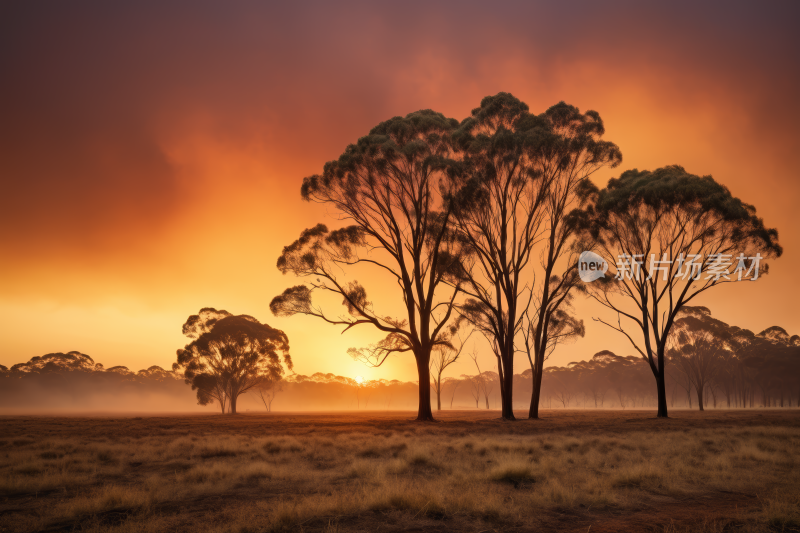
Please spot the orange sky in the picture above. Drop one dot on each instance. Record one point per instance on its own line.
(151, 156)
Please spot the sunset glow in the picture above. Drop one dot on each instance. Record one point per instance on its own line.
(168, 179)
(399, 266)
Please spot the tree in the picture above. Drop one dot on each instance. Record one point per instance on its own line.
(267, 390)
(519, 179)
(443, 356)
(482, 382)
(699, 346)
(474, 387)
(593, 375)
(665, 230)
(563, 383)
(573, 150)
(559, 328)
(230, 355)
(771, 362)
(499, 200)
(454, 384)
(387, 186)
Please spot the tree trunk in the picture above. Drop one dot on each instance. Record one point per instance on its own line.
(233, 404)
(700, 397)
(661, 383)
(507, 389)
(424, 414)
(536, 392)
(661, 386)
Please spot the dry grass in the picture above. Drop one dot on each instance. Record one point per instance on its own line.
(362, 480)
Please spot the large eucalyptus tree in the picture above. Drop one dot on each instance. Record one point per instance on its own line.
(387, 187)
(672, 236)
(518, 177)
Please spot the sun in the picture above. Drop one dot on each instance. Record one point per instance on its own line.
(359, 380)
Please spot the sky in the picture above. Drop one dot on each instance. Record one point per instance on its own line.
(151, 153)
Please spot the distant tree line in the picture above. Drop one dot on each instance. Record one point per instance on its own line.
(73, 381)
(711, 365)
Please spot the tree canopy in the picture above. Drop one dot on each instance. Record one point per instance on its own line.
(230, 355)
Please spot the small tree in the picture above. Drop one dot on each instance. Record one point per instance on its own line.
(230, 355)
(483, 380)
(210, 386)
(699, 346)
(673, 236)
(443, 356)
(474, 387)
(560, 327)
(267, 390)
(454, 384)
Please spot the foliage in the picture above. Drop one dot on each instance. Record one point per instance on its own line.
(231, 355)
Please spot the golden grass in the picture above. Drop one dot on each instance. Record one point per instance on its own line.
(331, 482)
(782, 510)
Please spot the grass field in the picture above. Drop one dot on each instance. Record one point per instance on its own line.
(380, 471)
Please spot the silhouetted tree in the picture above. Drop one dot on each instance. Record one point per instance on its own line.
(474, 387)
(231, 356)
(387, 185)
(443, 356)
(483, 380)
(454, 384)
(699, 346)
(563, 384)
(593, 376)
(571, 150)
(267, 390)
(770, 362)
(518, 179)
(499, 199)
(692, 225)
(562, 327)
